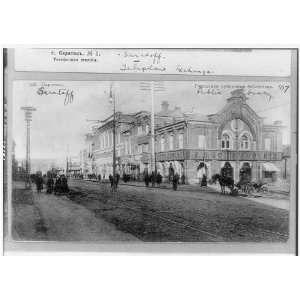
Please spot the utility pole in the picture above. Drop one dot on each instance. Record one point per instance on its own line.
(28, 118)
(153, 167)
(153, 87)
(113, 101)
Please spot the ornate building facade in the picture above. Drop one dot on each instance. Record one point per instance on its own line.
(235, 134)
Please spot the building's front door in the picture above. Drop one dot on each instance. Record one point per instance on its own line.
(245, 173)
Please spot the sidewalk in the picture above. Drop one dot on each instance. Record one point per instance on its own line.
(55, 218)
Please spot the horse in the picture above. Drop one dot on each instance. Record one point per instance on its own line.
(224, 182)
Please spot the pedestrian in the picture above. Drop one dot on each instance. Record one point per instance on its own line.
(146, 179)
(39, 183)
(57, 186)
(182, 179)
(117, 179)
(99, 177)
(175, 181)
(171, 172)
(152, 178)
(158, 179)
(50, 184)
(201, 171)
(111, 180)
(204, 180)
(64, 184)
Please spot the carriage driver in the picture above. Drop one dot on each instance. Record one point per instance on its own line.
(226, 171)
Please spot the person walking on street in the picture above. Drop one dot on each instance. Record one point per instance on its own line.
(64, 183)
(182, 179)
(158, 179)
(204, 181)
(201, 171)
(111, 180)
(39, 183)
(152, 177)
(146, 179)
(171, 172)
(50, 184)
(175, 181)
(117, 179)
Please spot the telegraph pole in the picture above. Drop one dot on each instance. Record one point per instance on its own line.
(152, 130)
(28, 118)
(153, 87)
(113, 101)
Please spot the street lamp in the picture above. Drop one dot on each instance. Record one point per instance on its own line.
(28, 118)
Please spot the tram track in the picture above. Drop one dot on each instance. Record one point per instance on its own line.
(168, 217)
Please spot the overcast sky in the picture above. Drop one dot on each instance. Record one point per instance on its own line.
(56, 125)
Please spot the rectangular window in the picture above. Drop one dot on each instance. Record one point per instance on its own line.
(162, 144)
(100, 142)
(201, 141)
(268, 174)
(180, 141)
(268, 144)
(147, 129)
(140, 148)
(171, 142)
(140, 130)
(129, 146)
(146, 148)
(106, 139)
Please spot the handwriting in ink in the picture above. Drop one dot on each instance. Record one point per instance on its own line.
(68, 94)
(207, 91)
(136, 67)
(155, 56)
(189, 69)
(263, 93)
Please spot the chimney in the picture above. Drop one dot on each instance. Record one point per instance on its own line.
(164, 106)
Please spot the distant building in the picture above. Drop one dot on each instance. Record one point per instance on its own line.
(86, 155)
(235, 134)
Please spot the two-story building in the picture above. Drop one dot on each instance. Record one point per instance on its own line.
(235, 134)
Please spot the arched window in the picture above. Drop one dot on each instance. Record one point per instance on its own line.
(225, 141)
(244, 142)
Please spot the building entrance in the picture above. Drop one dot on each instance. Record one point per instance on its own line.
(245, 173)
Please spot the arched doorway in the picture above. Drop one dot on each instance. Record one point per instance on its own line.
(227, 170)
(245, 172)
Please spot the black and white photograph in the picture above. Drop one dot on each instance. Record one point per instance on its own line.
(147, 149)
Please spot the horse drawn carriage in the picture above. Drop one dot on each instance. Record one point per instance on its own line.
(244, 186)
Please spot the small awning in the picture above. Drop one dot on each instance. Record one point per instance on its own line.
(269, 167)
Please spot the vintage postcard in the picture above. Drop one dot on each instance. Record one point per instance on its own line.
(188, 150)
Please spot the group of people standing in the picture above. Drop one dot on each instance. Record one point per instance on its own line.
(156, 178)
(57, 184)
